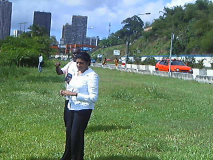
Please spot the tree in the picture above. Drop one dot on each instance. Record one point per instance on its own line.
(18, 51)
(104, 42)
(207, 41)
(133, 27)
(36, 30)
(24, 50)
(191, 24)
(53, 40)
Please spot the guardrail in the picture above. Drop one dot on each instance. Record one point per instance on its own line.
(199, 75)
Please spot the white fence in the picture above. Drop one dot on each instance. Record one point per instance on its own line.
(207, 59)
(199, 75)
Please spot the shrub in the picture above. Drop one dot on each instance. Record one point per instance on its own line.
(137, 61)
(199, 64)
(191, 63)
(24, 51)
(149, 61)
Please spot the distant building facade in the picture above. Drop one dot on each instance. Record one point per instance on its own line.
(5, 18)
(67, 34)
(92, 41)
(17, 33)
(42, 19)
(148, 29)
(76, 32)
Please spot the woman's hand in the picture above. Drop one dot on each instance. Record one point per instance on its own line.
(62, 92)
(67, 93)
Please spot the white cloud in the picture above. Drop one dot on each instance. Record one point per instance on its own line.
(100, 12)
(179, 3)
(71, 2)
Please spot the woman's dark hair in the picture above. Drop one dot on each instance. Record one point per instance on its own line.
(84, 56)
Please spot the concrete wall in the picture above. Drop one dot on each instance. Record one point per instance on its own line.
(199, 75)
(208, 59)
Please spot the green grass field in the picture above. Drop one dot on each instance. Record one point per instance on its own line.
(137, 117)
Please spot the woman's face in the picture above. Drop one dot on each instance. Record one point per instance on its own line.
(82, 65)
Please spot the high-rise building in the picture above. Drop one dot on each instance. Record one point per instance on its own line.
(5, 18)
(42, 19)
(75, 33)
(67, 34)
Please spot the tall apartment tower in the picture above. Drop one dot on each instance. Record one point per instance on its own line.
(5, 18)
(75, 33)
(66, 34)
(42, 19)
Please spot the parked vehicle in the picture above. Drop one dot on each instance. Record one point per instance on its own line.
(109, 59)
(93, 60)
(176, 66)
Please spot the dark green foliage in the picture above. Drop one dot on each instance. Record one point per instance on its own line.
(35, 30)
(25, 50)
(149, 61)
(192, 63)
(191, 25)
(199, 64)
(189, 61)
(132, 29)
(137, 61)
(206, 42)
(18, 51)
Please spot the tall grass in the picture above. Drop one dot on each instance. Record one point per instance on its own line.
(137, 117)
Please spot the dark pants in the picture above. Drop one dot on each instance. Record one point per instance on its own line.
(76, 123)
(65, 111)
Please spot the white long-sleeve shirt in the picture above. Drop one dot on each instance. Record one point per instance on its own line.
(40, 59)
(69, 68)
(86, 85)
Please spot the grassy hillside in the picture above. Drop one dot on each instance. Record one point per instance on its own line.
(138, 48)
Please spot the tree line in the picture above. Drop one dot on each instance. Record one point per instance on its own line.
(192, 26)
(24, 50)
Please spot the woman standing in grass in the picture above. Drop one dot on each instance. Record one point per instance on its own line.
(83, 93)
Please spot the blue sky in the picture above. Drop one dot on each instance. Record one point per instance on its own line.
(100, 13)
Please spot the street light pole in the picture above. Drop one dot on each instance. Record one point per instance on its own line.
(128, 41)
(144, 14)
(170, 55)
(24, 25)
(171, 47)
(127, 52)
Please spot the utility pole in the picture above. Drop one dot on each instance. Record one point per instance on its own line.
(20, 26)
(24, 25)
(128, 43)
(127, 52)
(170, 55)
(109, 28)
